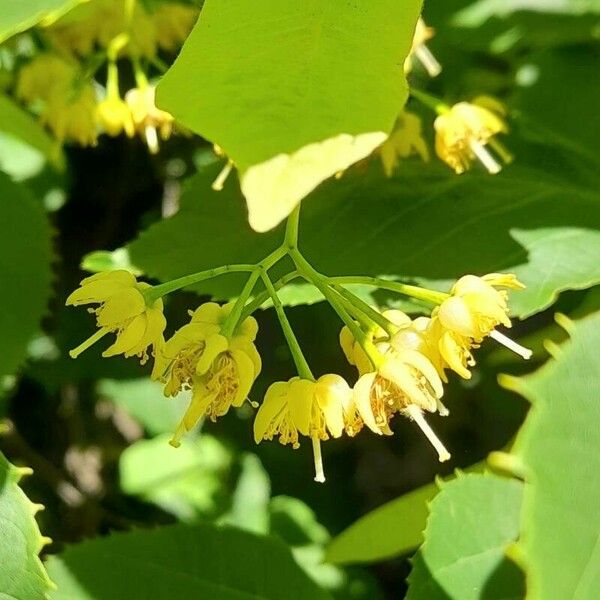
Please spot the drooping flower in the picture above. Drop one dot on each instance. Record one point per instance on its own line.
(71, 117)
(405, 382)
(475, 308)
(316, 409)
(219, 370)
(149, 121)
(123, 310)
(467, 130)
(406, 139)
(114, 117)
(173, 23)
(445, 349)
(421, 52)
(354, 352)
(43, 76)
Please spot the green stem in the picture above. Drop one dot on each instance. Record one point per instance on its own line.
(368, 311)
(393, 286)
(321, 283)
(429, 101)
(264, 296)
(291, 229)
(365, 323)
(158, 291)
(234, 316)
(297, 354)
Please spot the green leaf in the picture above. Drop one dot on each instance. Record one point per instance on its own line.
(250, 501)
(185, 481)
(392, 529)
(540, 222)
(199, 561)
(559, 446)
(25, 255)
(22, 575)
(20, 125)
(144, 400)
(471, 523)
(19, 16)
(293, 92)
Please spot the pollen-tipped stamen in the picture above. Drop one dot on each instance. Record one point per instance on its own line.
(415, 414)
(222, 176)
(89, 342)
(511, 345)
(319, 472)
(428, 60)
(485, 157)
(151, 139)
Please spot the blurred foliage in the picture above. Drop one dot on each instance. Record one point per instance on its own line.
(95, 430)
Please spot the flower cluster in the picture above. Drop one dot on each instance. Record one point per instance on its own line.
(464, 132)
(402, 363)
(58, 84)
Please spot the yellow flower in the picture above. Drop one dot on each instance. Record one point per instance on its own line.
(149, 120)
(98, 23)
(114, 116)
(315, 409)
(220, 371)
(405, 382)
(173, 23)
(445, 349)
(72, 118)
(475, 308)
(124, 311)
(353, 351)
(405, 139)
(466, 129)
(46, 75)
(421, 52)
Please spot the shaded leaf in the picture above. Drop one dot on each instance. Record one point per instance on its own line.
(25, 255)
(538, 221)
(19, 124)
(199, 561)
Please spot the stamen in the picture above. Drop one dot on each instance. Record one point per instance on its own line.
(500, 150)
(428, 60)
(89, 342)
(151, 139)
(511, 345)
(415, 413)
(319, 473)
(222, 176)
(484, 155)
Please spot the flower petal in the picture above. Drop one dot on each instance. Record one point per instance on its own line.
(209, 312)
(121, 307)
(215, 345)
(128, 338)
(275, 401)
(331, 394)
(300, 401)
(362, 401)
(245, 373)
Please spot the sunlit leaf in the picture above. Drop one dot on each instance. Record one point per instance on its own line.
(559, 446)
(471, 523)
(293, 92)
(22, 575)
